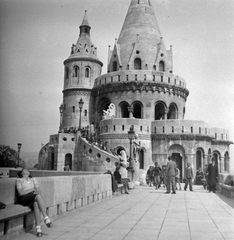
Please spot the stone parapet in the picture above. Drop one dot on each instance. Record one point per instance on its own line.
(61, 194)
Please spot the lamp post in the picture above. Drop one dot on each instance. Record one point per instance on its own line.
(81, 103)
(131, 136)
(61, 114)
(19, 147)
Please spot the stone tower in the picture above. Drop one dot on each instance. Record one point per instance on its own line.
(81, 69)
(142, 93)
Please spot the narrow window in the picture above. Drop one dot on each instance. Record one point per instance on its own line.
(85, 112)
(153, 77)
(222, 136)
(199, 130)
(119, 77)
(168, 80)
(161, 66)
(215, 135)
(141, 128)
(67, 73)
(114, 127)
(127, 77)
(137, 64)
(163, 129)
(191, 129)
(111, 79)
(105, 80)
(175, 81)
(114, 66)
(75, 73)
(182, 130)
(122, 127)
(155, 130)
(161, 78)
(73, 109)
(87, 70)
(145, 77)
(136, 77)
(172, 129)
(154, 67)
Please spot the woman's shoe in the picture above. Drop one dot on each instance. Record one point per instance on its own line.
(39, 233)
(47, 222)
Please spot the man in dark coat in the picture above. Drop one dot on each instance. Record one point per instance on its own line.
(171, 173)
(212, 173)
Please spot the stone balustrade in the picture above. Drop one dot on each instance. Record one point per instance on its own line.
(61, 194)
(142, 75)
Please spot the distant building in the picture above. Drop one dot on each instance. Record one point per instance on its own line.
(143, 92)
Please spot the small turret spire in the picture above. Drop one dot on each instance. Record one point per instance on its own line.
(85, 20)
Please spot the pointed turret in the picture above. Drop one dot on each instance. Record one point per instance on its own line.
(140, 37)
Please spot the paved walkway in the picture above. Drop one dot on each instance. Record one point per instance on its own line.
(145, 214)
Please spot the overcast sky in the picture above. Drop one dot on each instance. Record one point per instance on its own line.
(36, 37)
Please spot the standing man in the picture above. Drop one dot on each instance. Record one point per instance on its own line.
(212, 173)
(171, 173)
(189, 177)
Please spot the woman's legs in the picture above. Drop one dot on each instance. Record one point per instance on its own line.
(37, 214)
(41, 205)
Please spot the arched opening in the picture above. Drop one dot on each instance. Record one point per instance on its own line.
(226, 162)
(114, 66)
(178, 160)
(198, 159)
(137, 64)
(159, 112)
(87, 72)
(216, 156)
(141, 159)
(172, 113)
(124, 110)
(75, 71)
(177, 153)
(161, 66)
(68, 160)
(137, 110)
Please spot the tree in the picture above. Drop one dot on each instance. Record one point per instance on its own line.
(9, 157)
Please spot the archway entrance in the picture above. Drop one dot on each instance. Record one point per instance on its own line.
(68, 160)
(178, 160)
(141, 159)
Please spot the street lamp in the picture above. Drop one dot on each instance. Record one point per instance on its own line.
(19, 147)
(131, 136)
(81, 103)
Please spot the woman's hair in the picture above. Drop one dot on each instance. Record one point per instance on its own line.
(20, 175)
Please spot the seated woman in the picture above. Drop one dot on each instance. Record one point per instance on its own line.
(29, 195)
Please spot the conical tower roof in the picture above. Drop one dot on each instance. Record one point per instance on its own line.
(140, 27)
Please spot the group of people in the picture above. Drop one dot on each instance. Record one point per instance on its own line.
(169, 175)
(156, 176)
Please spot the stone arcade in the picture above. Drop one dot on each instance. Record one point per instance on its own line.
(145, 93)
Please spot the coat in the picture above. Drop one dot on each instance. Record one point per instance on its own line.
(189, 172)
(212, 172)
(171, 168)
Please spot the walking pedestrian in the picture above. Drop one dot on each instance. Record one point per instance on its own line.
(156, 174)
(188, 177)
(213, 173)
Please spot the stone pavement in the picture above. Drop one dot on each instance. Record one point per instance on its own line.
(145, 214)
